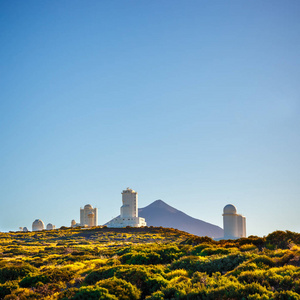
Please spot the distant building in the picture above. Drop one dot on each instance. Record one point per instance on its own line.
(234, 224)
(129, 211)
(24, 229)
(88, 217)
(50, 226)
(38, 225)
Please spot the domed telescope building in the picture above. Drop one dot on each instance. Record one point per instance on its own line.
(38, 225)
(234, 224)
(50, 226)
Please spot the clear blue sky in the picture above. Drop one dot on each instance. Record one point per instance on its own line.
(196, 103)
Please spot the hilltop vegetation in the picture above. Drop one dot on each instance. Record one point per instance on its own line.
(147, 263)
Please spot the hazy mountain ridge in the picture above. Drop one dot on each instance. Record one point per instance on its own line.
(160, 213)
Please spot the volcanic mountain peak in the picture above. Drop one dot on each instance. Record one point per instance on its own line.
(159, 204)
(159, 213)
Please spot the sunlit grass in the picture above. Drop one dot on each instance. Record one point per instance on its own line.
(147, 263)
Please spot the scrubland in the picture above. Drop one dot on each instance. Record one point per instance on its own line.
(147, 263)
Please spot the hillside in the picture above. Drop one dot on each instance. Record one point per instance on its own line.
(160, 213)
(146, 263)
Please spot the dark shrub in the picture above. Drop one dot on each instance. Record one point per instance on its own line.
(145, 278)
(149, 258)
(264, 261)
(7, 288)
(31, 281)
(120, 288)
(286, 295)
(93, 293)
(15, 272)
(210, 265)
(53, 275)
(215, 250)
(282, 239)
(198, 249)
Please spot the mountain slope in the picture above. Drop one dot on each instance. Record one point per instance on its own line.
(160, 213)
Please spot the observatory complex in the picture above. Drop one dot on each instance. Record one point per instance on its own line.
(234, 224)
(129, 212)
(88, 217)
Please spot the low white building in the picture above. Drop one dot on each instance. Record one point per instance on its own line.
(234, 224)
(129, 212)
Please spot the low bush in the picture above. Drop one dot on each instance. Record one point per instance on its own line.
(13, 272)
(93, 293)
(211, 264)
(120, 288)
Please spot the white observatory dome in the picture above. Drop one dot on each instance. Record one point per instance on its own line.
(38, 225)
(230, 209)
(50, 226)
(88, 206)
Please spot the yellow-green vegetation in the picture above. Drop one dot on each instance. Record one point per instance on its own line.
(147, 263)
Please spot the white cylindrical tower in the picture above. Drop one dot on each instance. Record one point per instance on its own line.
(91, 216)
(244, 227)
(129, 209)
(230, 222)
(240, 224)
(234, 224)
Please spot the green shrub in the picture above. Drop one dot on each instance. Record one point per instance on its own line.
(176, 273)
(120, 288)
(32, 281)
(22, 294)
(211, 264)
(93, 293)
(264, 261)
(14, 272)
(198, 249)
(283, 239)
(286, 295)
(248, 247)
(245, 266)
(196, 240)
(52, 275)
(214, 250)
(147, 279)
(141, 258)
(7, 288)
(248, 277)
